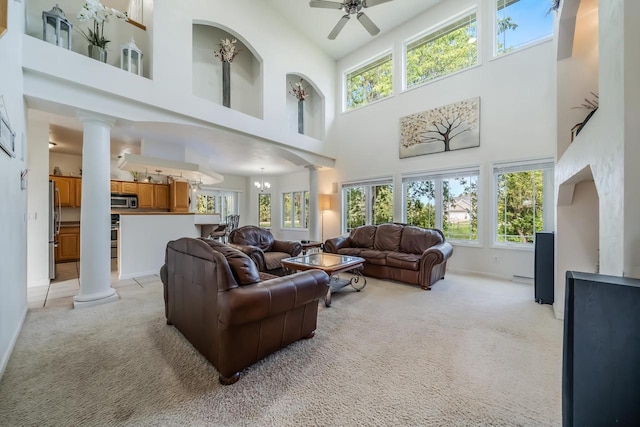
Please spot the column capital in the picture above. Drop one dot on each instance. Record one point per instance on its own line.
(312, 167)
(91, 117)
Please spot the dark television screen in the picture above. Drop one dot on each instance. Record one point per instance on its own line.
(601, 355)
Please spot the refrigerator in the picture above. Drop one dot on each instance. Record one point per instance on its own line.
(54, 227)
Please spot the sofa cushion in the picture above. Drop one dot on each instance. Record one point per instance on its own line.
(374, 257)
(350, 251)
(242, 267)
(388, 237)
(416, 240)
(362, 237)
(403, 260)
(272, 259)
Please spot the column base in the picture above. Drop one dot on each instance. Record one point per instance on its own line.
(81, 301)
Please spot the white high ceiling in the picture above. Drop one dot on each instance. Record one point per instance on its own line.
(317, 23)
(235, 154)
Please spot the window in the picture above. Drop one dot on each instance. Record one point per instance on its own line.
(264, 210)
(367, 203)
(369, 83)
(523, 203)
(520, 22)
(217, 201)
(446, 201)
(295, 209)
(447, 50)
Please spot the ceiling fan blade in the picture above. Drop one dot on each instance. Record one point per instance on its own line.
(325, 4)
(368, 24)
(371, 3)
(339, 26)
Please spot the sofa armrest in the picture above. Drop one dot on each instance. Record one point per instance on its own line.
(332, 245)
(253, 252)
(290, 247)
(251, 303)
(436, 254)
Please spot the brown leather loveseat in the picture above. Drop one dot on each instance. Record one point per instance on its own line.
(231, 313)
(263, 248)
(400, 252)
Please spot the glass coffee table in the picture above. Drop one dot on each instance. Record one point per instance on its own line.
(332, 264)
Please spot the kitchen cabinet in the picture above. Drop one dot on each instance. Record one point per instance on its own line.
(179, 196)
(128, 187)
(68, 244)
(66, 190)
(161, 196)
(78, 192)
(145, 196)
(115, 187)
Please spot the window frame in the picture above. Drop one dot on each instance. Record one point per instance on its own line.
(438, 177)
(270, 210)
(548, 167)
(367, 184)
(360, 66)
(433, 30)
(303, 211)
(530, 43)
(219, 196)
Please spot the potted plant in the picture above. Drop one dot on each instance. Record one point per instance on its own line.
(93, 10)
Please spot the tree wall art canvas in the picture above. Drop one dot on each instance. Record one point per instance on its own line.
(446, 128)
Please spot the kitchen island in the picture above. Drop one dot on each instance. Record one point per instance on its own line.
(143, 238)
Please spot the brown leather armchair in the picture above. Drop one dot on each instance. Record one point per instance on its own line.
(263, 248)
(217, 299)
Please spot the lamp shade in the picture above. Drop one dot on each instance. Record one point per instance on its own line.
(324, 202)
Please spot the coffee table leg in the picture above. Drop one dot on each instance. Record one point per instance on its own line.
(356, 279)
(327, 298)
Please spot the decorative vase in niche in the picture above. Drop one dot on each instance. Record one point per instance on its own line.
(301, 117)
(226, 84)
(97, 52)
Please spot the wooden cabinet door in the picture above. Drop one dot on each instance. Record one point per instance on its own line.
(145, 196)
(115, 187)
(66, 190)
(161, 196)
(179, 193)
(78, 192)
(127, 187)
(68, 244)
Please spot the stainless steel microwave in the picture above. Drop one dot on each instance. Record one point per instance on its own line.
(124, 201)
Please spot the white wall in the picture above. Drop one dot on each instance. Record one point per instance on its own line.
(517, 122)
(13, 209)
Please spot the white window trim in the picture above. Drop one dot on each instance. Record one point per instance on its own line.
(529, 44)
(434, 28)
(361, 65)
(282, 227)
(367, 183)
(548, 203)
(439, 175)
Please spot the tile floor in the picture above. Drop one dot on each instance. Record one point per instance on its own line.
(67, 284)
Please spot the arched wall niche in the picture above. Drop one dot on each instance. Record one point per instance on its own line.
(314, 107)
(247, 85)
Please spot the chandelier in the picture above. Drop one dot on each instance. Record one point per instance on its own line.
(261, 185)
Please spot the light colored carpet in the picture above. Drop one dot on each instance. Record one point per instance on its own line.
(472, 351)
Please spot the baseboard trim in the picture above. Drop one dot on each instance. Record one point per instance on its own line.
(480, 273)
(35, 284)
(139, 274)
(5, 357)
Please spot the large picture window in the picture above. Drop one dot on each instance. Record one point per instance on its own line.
(446, 201)
(521, 22)
(523, 201)
(451, 48)
(295, 209)
(367, 203)
(217, 201)
(369, 83)
(264, 210)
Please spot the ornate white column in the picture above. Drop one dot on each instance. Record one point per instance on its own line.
(314, 233)
(95, 213)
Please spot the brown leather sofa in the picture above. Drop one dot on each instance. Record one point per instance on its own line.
(231, 313)
(399, 252)
(261, 246)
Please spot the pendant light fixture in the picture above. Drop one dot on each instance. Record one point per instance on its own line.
(262, 185)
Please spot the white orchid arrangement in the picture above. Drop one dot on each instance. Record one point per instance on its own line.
(299, 90)
(93, 10)
(227, 50)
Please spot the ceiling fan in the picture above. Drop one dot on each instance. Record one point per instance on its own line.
(350, 7)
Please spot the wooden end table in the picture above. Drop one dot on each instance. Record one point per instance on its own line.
(310, 247)
(332, 264)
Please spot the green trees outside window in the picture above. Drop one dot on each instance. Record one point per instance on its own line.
(295, 209)
(444, 51)
(264, 210)
(367, 204)
(369, 83)
(217, 201)
(520, 197)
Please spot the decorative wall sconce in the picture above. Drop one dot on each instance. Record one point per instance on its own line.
(131, 58)
(54, 26)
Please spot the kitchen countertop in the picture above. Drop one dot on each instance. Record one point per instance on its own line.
(134, 212)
